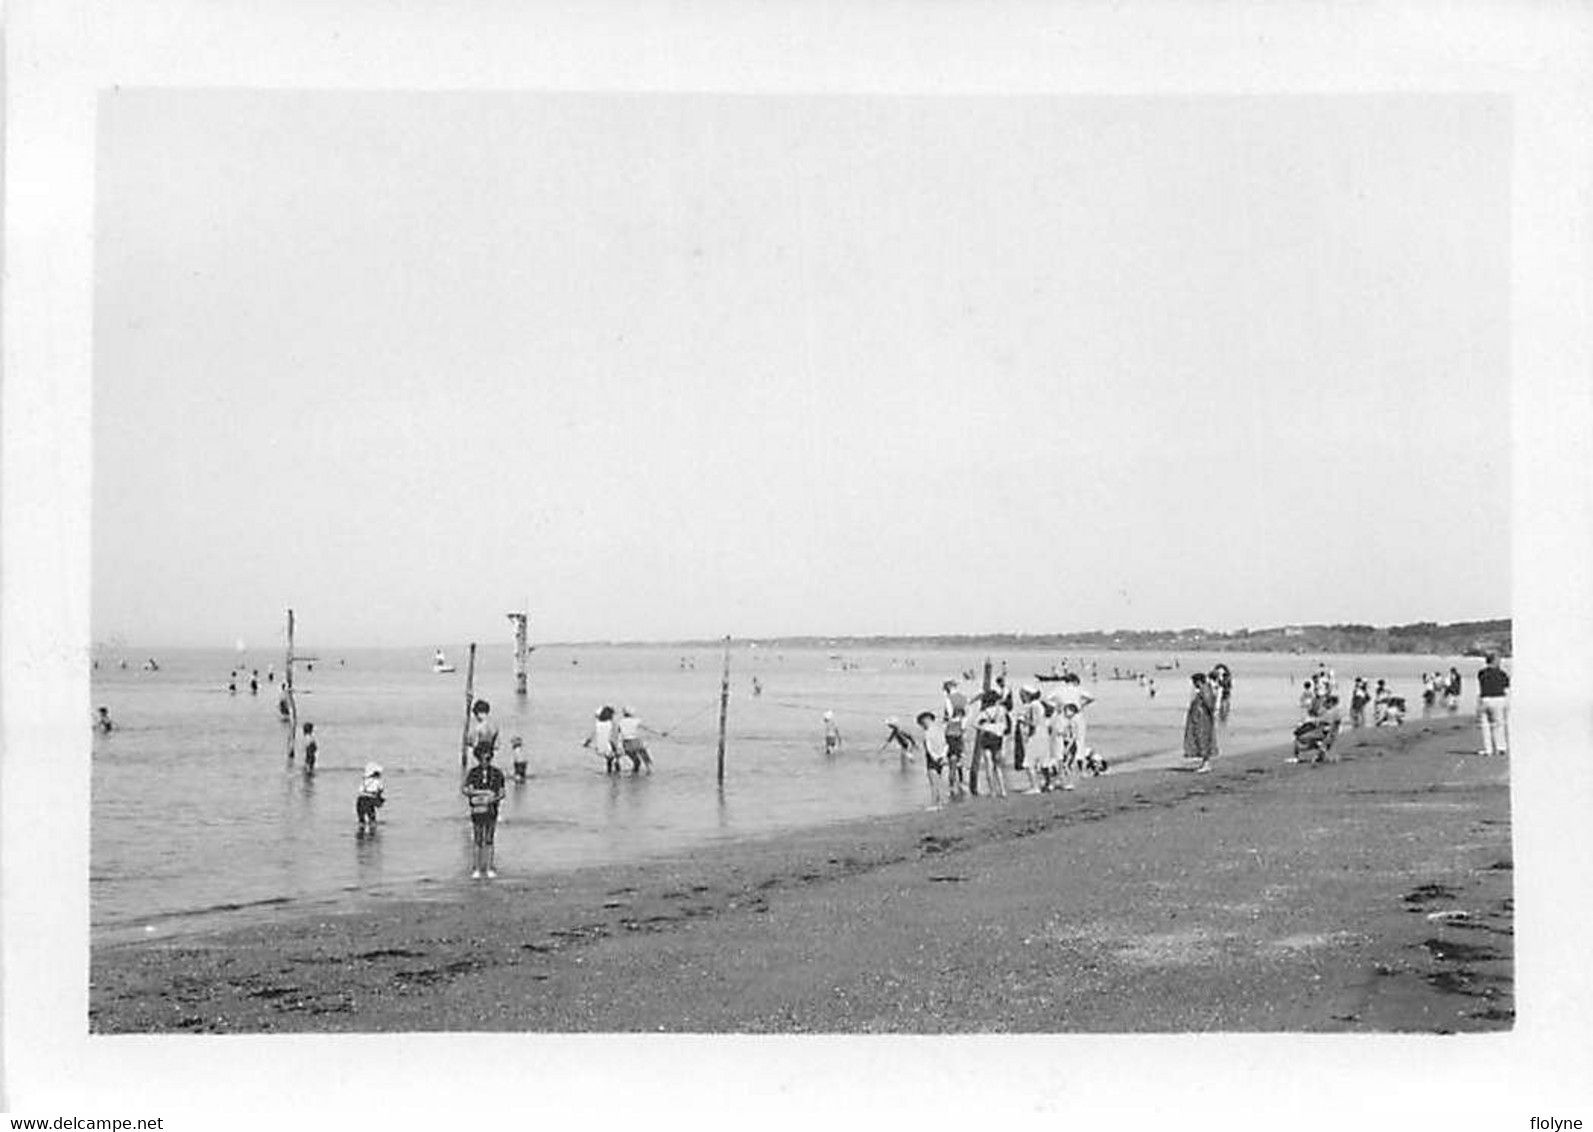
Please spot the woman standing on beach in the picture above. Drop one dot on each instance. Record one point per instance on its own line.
(1200, 723)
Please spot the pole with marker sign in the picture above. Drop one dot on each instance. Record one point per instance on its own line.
(519, 621)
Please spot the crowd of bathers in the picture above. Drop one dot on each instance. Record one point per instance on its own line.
(1319, 701)
(1440, 689)
(1321, 718)
(970, 744)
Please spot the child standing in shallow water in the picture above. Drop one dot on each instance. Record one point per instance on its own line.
(934, 755)
(832, 734)
(370, 797)
(483, 788)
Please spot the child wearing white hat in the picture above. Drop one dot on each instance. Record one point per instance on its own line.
(832, 734)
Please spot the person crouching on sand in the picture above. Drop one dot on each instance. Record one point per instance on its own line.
(934, 747)
(371, 796)
(484, 789)
(517, 758)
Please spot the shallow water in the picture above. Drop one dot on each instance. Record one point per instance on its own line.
(199, 819)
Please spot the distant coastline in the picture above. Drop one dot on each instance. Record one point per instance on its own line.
(1458, 638)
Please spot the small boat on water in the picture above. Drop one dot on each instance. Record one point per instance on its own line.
(1049, 677)
(440, 663)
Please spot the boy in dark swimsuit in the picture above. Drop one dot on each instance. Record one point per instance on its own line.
(484, 788)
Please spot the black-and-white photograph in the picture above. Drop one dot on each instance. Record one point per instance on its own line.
(967, 557)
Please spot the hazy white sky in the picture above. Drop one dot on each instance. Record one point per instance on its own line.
(687, 365)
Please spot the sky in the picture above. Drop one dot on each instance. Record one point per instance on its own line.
(664, 366)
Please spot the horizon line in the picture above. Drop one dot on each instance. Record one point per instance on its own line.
(834, 638)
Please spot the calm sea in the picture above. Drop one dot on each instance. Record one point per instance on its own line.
(198, 819)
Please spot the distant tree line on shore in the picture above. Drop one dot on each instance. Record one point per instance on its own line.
(1459, 638)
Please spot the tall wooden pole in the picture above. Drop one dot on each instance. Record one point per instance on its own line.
(287, 683)
(518, 620)
(724, 705)
(470, 699)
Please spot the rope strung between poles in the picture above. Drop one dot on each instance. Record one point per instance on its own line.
(707, 707)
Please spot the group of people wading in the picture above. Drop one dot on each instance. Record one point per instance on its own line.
(484, 785)
(1042, 736)
(967, 741)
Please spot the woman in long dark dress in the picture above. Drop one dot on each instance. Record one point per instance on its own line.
(1200, 723)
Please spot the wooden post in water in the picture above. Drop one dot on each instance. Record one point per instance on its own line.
(724, 704)
(470, 699)
(519, 620)
(287, 686)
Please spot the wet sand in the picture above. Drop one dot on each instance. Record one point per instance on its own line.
(1369, 895)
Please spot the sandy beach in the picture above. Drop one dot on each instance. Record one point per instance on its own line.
(1371, 894)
